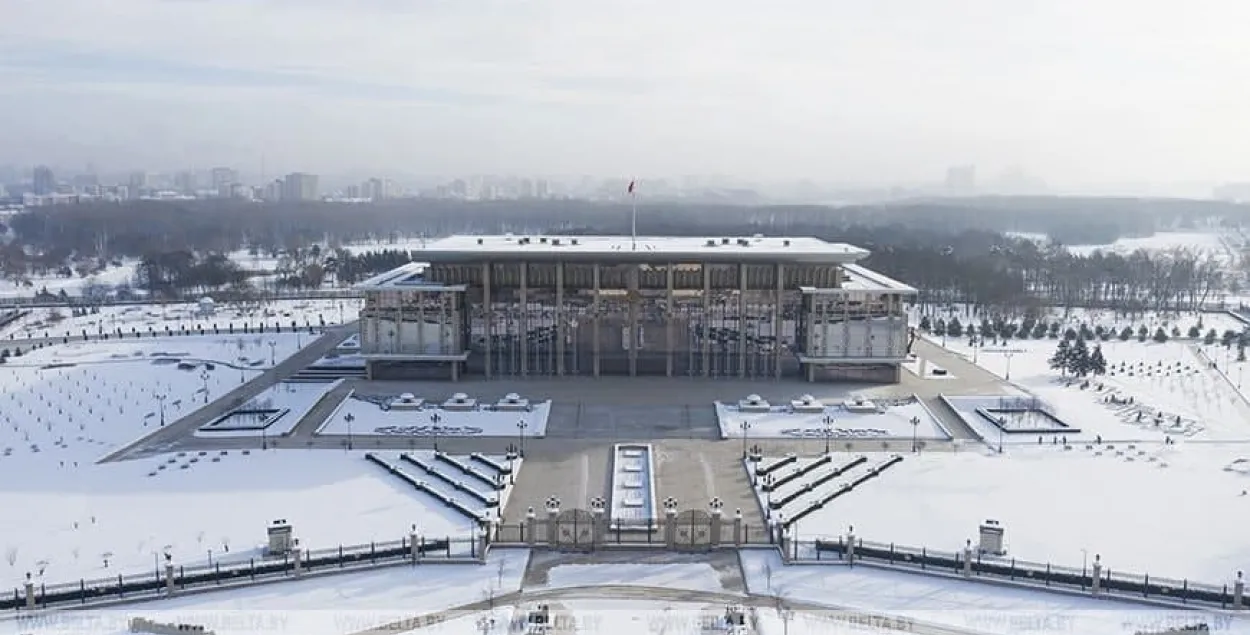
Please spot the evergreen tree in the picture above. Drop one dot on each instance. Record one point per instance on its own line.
(1209, 338)
(1126, 334)
(1228, 338)
(926, 325)
(1176, 331)
(1161, 335)
(1142, 333)
(1078, 359)
(1062, 357)
(1195, 332)
(1069, 334)
(955, 328)
(1039, 330)
(1097, 363)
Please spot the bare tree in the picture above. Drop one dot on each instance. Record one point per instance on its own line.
(503, 564)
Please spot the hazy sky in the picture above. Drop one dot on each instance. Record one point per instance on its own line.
(1078, 91)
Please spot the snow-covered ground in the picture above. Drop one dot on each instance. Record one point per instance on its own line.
(113, 276)
(1206, 243)
(290, 402)
(974, 606)
(893, 422)
(76, 402)
(65, 407)
(60, 322)
(73, 515)
(361, 415)
(1093, 318)
(342, 604)
(1185, 520)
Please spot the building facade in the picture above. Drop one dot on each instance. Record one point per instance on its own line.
(516, 306)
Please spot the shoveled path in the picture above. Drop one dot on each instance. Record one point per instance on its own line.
(171, 435)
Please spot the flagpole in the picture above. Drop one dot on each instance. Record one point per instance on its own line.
(633, 221)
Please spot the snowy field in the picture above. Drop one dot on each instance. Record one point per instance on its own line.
(1161, 381)
(79, 515)
(342, 604)
(892, 422)
(60, 322)
(361, 415)
(1063, 506)
(113, 276)
(290, 402)
(974, 606)
(76, 402)
(1210, 243)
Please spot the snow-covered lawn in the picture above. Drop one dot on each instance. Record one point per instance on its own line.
(1180, 515)
(288, 402)
(59, 322)
(112, 276)
(694, 577)
(974, 606)
(892, 421)
(361, 415)
(1162, 381)
(72, 515)
(75, 402)
(342, 604)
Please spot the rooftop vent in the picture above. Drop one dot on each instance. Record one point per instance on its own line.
(711, 242)
(724, 241)
(543, 240)
(479, 241)
(744, 242)
(555, 241)
(573, 241)
(785, 243)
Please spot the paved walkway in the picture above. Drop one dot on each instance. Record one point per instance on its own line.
(180, 433)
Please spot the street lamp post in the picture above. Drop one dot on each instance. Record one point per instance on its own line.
(273, 355)
(160, 399)
(204, 378)
(915, 425)
(1008, 355)
(435, 418)
(349, 418)
(520, 427)
(746, 428)
(828, 431)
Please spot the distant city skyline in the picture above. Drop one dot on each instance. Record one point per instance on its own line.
(1085, 95)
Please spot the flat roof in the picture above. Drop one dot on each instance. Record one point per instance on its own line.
(641, 249)
(860, 278)
(410, 276)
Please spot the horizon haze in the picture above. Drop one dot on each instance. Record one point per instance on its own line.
(1084, 95)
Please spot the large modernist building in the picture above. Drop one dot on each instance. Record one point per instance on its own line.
(516, 306)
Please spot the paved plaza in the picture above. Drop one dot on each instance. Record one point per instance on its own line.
(676, 415)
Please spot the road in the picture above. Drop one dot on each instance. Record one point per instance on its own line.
(176, 433)
(521, 600)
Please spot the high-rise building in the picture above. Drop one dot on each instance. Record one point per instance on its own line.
(961, 180)
(542, 189)
(44, 182)
(223, 180)
(299, 186)
(185, 182)
(138, 183)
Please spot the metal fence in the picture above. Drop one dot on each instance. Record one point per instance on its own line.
(1093, 578)
(53, 301)
(578, 530)
(36, 595)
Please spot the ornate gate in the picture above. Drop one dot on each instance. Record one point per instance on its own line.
(575, 529)
(694, 530)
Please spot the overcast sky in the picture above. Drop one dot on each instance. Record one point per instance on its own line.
(1077, 91)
